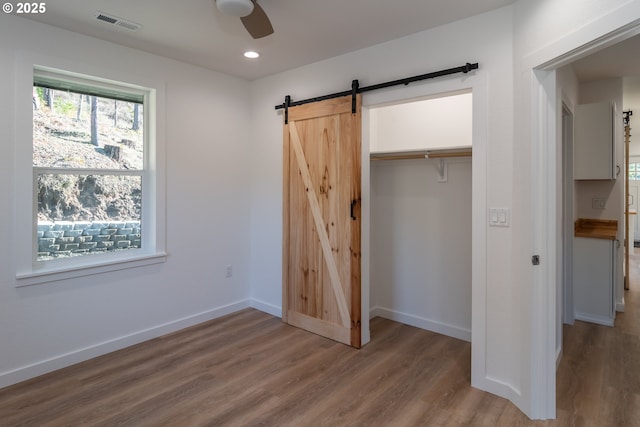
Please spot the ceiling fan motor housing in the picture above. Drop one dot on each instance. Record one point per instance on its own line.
(235, 7)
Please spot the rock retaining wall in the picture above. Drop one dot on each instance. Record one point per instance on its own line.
(67, 238)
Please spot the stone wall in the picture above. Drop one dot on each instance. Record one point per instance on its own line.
(68, 238)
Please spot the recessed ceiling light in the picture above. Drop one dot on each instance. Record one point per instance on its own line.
(251, 54)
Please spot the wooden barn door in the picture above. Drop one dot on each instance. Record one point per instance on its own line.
(321, 219)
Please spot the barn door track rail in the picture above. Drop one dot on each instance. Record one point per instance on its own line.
(356, 89)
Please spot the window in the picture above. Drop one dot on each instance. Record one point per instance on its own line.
(88, 163)
(634, 171)
(94, 182)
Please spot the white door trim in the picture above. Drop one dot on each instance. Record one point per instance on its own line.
(544, 211)
(566, 174)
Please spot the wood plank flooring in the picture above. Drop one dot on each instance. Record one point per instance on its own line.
(250, 369)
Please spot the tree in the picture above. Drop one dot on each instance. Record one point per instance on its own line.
(136, 117)
(115, 113)
(35, 99)
(79, 114)
(48, 98)
(94, 121)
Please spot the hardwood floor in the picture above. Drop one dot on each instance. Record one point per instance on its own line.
(598, 382)
(618, 376)
(249, 369)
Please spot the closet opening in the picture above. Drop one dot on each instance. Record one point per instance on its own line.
(420, 243)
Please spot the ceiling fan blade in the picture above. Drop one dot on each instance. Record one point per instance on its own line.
(257, 23)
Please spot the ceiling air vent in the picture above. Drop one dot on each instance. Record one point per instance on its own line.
(120, 22)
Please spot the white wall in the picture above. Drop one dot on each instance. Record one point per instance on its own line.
(486, 39)
(421, 244)
(442, 122)
(43, 327)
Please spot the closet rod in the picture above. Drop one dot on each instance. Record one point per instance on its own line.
(426, 154)
(355, 87)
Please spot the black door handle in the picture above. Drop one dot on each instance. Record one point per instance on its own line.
(353, 205)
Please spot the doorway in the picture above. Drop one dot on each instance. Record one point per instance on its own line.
(547, 115)
(421, 205)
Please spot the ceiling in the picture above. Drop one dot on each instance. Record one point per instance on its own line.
(619, 60)
(306, 31)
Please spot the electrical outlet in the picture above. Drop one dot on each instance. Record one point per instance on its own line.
(228, 271)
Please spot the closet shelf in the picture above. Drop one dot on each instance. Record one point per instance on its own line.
(433, 153)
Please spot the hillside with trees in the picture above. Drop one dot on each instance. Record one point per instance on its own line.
(78, 131)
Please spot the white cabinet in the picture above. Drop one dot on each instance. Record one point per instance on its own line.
(593, 279)
(594, 154)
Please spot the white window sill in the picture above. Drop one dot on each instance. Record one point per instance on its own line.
(62, 271)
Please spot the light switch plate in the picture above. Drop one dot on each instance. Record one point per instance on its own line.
(598, 203)
(499, 217)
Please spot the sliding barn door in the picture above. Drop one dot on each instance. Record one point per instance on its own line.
(321, 224)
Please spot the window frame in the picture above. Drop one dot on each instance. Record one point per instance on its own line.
(30, 271)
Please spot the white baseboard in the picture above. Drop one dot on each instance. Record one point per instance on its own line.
(497, 387)
(266, 307)
(620, 306)
(601, 320)
(558, 357)
(422, 323)
(77, 356)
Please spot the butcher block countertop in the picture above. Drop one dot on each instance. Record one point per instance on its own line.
(596, 228)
